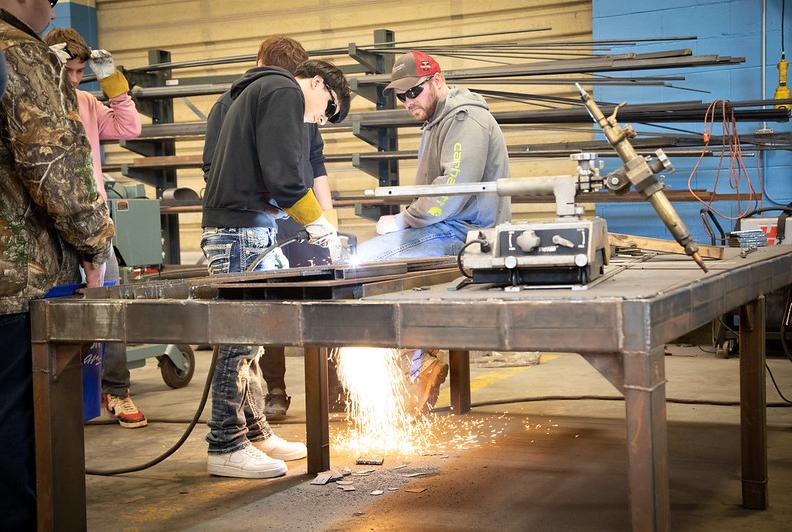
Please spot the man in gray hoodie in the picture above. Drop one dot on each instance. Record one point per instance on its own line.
(461, 143)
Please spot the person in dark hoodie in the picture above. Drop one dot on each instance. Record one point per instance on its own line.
(255, 173)
(283, 52)
(461, 143)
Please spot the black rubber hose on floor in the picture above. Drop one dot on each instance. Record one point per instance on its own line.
(175, 447)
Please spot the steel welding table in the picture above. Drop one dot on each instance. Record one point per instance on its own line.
(619, 325)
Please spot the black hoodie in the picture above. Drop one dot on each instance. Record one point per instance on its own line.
(259, 152)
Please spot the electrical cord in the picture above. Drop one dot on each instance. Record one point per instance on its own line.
(210, 374)
(300, 236)
(178, 444)
(776, 385)
(730, 145)
(485, 248)
(604, 398)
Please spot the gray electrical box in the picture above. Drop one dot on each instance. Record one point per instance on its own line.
(138, 238)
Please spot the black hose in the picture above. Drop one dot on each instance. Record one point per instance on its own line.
(175, 446)
(484, 243)
(603, 398)
(300, 236)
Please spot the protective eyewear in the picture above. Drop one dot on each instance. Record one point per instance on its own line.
(52, 4)
(332, 107)
(412, 92)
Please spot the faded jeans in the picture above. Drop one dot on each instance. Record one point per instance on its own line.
(237, 394)
(436, 240)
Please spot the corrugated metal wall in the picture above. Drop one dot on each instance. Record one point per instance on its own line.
(199, 29)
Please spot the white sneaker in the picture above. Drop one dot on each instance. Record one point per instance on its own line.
(277, 447)
(248, 462)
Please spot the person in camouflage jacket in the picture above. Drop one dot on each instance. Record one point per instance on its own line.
(51, 214)
(51, 219)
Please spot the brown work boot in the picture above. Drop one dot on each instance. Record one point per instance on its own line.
(426, 386)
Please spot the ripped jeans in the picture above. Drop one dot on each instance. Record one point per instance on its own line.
(237, 394)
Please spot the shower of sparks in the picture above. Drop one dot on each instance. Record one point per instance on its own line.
(381, 420)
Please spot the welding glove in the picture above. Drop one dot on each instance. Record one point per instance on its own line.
(324, 234)
(111, 81)
(101, 64)
(60, 50)
(390, 223)
(308, 212)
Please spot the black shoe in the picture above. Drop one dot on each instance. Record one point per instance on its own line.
(276, 404)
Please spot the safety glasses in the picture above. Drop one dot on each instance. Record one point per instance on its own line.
(332, 107)
(412, 92)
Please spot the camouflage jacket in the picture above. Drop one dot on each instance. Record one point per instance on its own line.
(51, 215)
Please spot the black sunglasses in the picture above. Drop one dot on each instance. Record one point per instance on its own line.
(332, 107)
(412, 92)
(52, 4)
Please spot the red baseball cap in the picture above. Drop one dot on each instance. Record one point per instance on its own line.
(410, 68)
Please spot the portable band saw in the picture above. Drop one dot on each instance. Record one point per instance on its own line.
(568, 250)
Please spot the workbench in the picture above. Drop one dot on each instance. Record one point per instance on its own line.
(620, 325)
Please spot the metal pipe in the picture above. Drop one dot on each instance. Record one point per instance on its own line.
(764, 54)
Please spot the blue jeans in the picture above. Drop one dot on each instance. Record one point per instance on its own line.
(115, 373)
(17, 452)
(436, 240)
(237, 394)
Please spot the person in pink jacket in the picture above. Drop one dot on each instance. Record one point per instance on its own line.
(119, 121)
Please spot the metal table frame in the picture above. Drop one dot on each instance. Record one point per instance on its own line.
(621, 336)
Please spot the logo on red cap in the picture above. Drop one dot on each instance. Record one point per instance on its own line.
(426, 65)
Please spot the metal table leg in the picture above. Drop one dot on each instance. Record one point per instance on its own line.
(60, 453)
(644, 393)
(316, 409)
(753, 405)
(459, 362)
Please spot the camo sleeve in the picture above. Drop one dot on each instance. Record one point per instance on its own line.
(51, 151)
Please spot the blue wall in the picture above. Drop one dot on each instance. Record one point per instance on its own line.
(723, 27)
(79, 16)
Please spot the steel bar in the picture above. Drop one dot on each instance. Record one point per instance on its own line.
(645, 141)
(522, 151)
(324, 52)
(575, 115)
(753, 405)
(316, 410)
(60, 457)
(576, 66)
(459, 362)
(631, 62)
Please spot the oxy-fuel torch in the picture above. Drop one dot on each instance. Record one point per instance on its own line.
(638, 172)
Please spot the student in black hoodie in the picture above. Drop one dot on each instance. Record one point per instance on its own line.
(256, 173)
(283, 52)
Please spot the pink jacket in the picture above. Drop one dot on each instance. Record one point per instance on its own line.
(119, 122)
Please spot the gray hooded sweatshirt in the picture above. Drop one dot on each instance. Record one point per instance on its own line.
(461, 143)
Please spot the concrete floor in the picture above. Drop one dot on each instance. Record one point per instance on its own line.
(569, 474)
